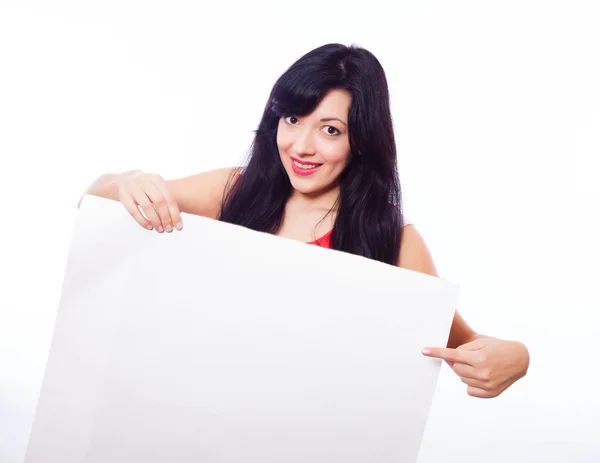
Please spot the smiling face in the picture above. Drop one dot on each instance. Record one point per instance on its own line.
(315, 148)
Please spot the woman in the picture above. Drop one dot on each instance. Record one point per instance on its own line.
(323, 170)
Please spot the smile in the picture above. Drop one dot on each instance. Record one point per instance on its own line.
(304, 168)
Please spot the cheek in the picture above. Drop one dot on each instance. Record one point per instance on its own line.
(284, 141)
(336, 154)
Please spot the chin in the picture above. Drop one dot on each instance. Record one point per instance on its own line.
(309, 187)
(305, 186)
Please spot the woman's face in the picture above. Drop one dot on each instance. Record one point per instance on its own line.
(315, 149)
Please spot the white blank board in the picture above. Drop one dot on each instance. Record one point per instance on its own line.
(222, 344)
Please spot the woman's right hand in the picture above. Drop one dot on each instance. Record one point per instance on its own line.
(150, 192)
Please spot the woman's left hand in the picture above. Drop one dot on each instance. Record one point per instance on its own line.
(488, 366)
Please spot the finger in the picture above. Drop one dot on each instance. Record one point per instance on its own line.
(172, 205)
(474, 383)
(466, 371)
(160, 205)
(451, 355)
(144, 202)
(132, 208)
(481, 393)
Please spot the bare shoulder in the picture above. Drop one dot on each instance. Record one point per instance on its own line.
(203, 193)
(414, 253)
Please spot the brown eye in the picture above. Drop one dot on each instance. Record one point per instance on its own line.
(291, 119)
(332, 130)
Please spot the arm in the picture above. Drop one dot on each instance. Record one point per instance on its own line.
(203, 193)
(414, 255)
(198, 194)
(487, 365)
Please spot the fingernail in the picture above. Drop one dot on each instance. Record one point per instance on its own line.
(169, 229)
(426, 351)
(160, 229)
(179, 225)
(149, 227)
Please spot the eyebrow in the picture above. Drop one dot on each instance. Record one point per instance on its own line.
(327, 119)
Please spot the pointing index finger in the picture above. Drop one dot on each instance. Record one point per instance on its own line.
(452, 355)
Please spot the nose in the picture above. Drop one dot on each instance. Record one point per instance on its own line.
(304, 144)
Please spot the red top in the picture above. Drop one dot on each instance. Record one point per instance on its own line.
(324, 241)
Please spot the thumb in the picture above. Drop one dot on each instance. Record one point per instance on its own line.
(477, 344)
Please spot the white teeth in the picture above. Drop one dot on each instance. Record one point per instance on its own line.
(305, 166)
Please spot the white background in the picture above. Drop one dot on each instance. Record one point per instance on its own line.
(496, 107)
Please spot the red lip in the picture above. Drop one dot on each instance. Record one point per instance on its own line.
(305, 172)
(308, 163)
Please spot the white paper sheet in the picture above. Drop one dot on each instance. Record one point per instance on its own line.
(221, 344)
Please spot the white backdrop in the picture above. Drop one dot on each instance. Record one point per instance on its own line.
(496, 108)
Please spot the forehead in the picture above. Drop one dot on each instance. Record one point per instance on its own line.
(335, 103)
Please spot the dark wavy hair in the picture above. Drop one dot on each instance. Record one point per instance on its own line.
(369, 207)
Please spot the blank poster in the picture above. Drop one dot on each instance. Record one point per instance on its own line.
(221, 344)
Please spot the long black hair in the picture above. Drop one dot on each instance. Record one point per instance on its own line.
(369, 207)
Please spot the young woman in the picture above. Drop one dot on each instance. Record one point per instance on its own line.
(322, 170)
